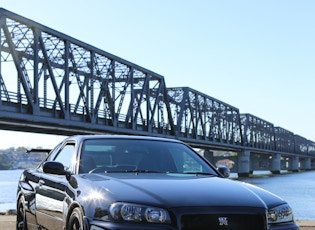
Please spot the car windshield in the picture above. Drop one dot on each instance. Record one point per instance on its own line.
(136, 155)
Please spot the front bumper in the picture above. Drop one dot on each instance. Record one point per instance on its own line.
(286, 226)
(104, 225)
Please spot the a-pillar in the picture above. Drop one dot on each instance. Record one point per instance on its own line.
(209, 155)
(294, 164)
(306, 164)
(244, 163)
(276, 163)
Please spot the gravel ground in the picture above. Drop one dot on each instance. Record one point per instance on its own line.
(7, 222)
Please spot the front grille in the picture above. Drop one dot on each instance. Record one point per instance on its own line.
(221, 221)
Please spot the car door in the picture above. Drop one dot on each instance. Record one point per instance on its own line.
(53, 191)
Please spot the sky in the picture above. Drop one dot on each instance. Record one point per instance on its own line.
(258, 56)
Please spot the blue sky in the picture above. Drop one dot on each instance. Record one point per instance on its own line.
(257, 56)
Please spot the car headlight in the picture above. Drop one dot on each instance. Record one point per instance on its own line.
(280, 214)
(138, 213)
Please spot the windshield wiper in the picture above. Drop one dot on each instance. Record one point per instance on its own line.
(201, 173)
(132, 171)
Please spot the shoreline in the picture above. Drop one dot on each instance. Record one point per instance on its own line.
(7, 220)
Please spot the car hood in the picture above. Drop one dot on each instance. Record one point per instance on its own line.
(174, 190)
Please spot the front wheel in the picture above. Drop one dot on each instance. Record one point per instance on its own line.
(75, 220)
(20, 216)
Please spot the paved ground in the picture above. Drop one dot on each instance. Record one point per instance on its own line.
(306, 224)
(8, 223)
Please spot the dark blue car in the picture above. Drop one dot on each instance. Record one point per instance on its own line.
(131, 182)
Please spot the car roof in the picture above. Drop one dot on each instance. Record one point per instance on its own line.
(80, 138)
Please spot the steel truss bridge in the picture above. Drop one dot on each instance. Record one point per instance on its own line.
(53, 83)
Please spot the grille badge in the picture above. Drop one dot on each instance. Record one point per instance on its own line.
(223, 221)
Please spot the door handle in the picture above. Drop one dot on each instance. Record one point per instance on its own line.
(41, 183)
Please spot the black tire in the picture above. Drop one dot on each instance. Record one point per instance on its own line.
(21, 223)
(75, 220)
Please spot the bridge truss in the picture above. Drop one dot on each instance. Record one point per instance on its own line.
(202, 118)
(52, 76)
(53, 83)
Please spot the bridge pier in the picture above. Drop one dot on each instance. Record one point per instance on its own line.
(305, 164)
(244, 163)
(276, 163)
(294, 164)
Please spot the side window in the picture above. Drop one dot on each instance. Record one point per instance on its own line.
(190, 164)
(186, 162)
(65, 155)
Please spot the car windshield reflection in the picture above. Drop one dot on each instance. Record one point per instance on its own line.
(143, 156)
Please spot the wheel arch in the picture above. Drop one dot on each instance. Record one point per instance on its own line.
(70, 210)
(18, 197)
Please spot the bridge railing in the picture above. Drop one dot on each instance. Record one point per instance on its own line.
(252, 127)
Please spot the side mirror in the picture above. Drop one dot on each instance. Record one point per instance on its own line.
(225, 171)
(57, 168)
(54, 167)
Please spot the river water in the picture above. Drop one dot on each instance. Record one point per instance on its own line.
(298, 189)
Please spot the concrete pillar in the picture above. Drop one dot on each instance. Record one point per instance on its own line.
(244, 163)
(276, 163)
(306, 164)
(294, 164)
